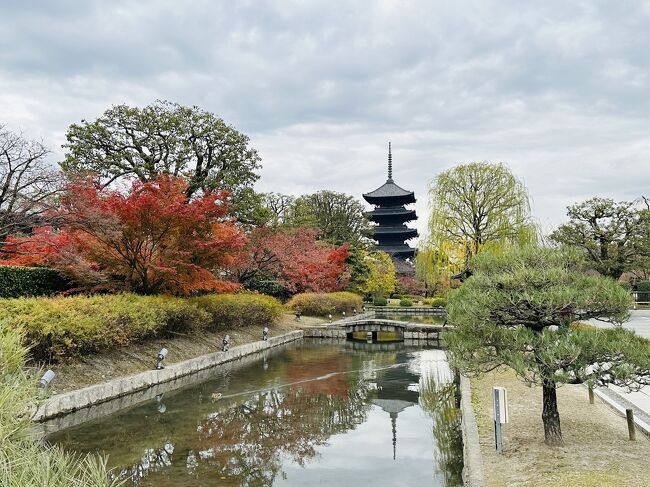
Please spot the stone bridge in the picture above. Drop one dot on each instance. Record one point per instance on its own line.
(372, 326)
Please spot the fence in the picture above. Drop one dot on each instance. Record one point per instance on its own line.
(641, 297)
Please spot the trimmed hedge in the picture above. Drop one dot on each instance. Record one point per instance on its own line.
(643, 286)
(380, 301)
(239, 310)
(16, 281)
(406, 303)
(438, 302)
(323, 304)
(64, 327)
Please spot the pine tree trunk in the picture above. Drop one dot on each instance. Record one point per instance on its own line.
(551, 416)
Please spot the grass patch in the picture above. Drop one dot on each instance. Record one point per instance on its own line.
(597, 451)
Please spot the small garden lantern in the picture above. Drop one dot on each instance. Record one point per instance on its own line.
(265, 333)
(45, 381)
(226, 343)
(161, 356)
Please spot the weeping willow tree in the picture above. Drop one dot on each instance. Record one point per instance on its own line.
(23, 460)
(474, 207)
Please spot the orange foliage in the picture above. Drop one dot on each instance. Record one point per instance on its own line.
(151, 239)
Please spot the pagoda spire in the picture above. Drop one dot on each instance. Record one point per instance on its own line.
(390, 163)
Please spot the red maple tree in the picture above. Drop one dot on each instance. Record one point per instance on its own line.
(295, 259)
(149, 239)
(36, 250)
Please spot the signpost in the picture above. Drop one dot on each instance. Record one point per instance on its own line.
(500, 406)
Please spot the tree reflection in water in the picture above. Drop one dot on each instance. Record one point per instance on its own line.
(246, 442)
(241, 428)
(438, 399)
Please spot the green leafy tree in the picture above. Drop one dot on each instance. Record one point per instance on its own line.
(477, 206)
(434, 268)
(381, 279)
(640, 269)
(519, 310)
(357, 262)
(163, 138)
(277, 206)
(337, 217)
(608, 232)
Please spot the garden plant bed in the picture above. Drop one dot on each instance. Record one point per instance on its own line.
(596, 451)
(138, 357)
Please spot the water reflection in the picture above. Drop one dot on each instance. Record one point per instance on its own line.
(330, 413)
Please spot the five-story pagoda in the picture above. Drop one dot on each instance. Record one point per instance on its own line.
(390, 214)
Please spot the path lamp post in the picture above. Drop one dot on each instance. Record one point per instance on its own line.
(45, 381)
(265, 333)
(344, 315)
(161, 356)
(226, 343)
(330, 317)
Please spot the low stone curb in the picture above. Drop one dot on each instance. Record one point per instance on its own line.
(619, 404)
(66, 403)
(473, 473)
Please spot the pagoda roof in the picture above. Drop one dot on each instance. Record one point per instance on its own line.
(402, 249)
(390, 211)
(389, 190)
(401, 230)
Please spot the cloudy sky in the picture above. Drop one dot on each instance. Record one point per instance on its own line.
(558, 90)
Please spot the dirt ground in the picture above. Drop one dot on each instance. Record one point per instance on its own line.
(597, 452)
(138, 357)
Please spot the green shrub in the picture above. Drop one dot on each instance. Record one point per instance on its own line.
(406, 303)
(397, 296)
(16, 281)
(643, 286)
(238, 310)
(380, 301)
(63, 327)
(438, 302)
(323, 304)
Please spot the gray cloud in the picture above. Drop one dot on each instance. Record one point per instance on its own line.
(558, 90)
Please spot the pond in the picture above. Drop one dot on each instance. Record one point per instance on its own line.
(306, 414)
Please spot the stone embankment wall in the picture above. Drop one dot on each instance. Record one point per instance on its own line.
(69, 402)
(473, 472)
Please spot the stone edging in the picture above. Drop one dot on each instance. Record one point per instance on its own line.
(62, 404)
(619, 404)
(473, 473)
